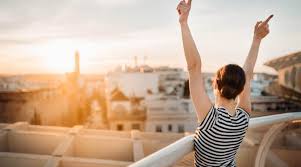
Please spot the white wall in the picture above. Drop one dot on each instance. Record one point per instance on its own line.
(125, 104)
(170, 112)
(133, 83)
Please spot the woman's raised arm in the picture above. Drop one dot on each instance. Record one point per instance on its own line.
(261, 30)
(198, 93)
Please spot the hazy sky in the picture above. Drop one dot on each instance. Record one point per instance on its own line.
(41, 36)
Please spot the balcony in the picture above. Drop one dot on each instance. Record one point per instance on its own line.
(22, 144)
(179, 152)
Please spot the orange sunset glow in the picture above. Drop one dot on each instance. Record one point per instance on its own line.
(45, 40)
(144, 83)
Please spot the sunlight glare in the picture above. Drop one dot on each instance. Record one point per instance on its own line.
(59, 55)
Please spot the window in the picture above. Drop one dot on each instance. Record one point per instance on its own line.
(119, 127)
(136, 126)
(158, 128)
(156, 109)
(173, 108)
(169, 127)
(181, 128)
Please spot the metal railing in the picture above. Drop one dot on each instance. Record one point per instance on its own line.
(174, 152)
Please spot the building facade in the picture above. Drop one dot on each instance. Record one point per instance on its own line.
(125, 113)
(38, 106)
(288, 85)
(169, 114)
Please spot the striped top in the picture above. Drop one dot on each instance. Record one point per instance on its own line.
(219, 136)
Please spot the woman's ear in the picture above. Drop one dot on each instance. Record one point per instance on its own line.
(214, 84)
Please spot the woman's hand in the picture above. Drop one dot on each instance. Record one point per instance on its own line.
(261, 29)
(183, 10)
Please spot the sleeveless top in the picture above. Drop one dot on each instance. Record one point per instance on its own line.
(219, 136)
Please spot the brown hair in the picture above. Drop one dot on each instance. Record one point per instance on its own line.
(230, 81)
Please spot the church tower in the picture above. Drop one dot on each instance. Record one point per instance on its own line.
(77, 64)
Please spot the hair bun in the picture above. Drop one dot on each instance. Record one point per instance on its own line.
(228, 92)
(230, 81)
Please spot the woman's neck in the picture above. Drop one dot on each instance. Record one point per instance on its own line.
(229, 105)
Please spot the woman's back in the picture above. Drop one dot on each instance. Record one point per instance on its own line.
(219, 136)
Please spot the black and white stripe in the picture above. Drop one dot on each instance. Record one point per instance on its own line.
(219, 136)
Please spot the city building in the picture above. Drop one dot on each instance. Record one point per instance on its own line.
(143, 80)
(169, 114)
(43, 99)
(44, 106)
(171, 80)
(273, 104)
(125, 113)
(93, 84)
(138, 86)
(132, 83)
(288, 84)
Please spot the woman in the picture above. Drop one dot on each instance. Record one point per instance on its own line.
(222, 125)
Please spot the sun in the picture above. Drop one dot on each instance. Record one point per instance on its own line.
(58, 62)
(58, 55)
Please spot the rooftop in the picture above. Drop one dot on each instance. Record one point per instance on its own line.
(22, 144)
(118, 95)
(285, 61)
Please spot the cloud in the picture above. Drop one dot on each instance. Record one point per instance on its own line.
(119, 29)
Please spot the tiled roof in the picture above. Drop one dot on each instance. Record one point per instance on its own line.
(118, 95)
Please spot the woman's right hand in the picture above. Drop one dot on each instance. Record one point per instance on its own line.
(183, 10)
(261, 29)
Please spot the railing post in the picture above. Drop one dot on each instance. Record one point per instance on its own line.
(137, 145)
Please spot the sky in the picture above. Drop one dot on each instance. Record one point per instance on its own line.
(41, 36)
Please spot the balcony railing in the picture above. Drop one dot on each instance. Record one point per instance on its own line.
(174, 152)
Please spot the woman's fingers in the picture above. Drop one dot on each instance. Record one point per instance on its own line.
(268, 19)
(186, 3)
(262, 28)
(183, 10)
(182, 7)
(264, 23)
(179, 11)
